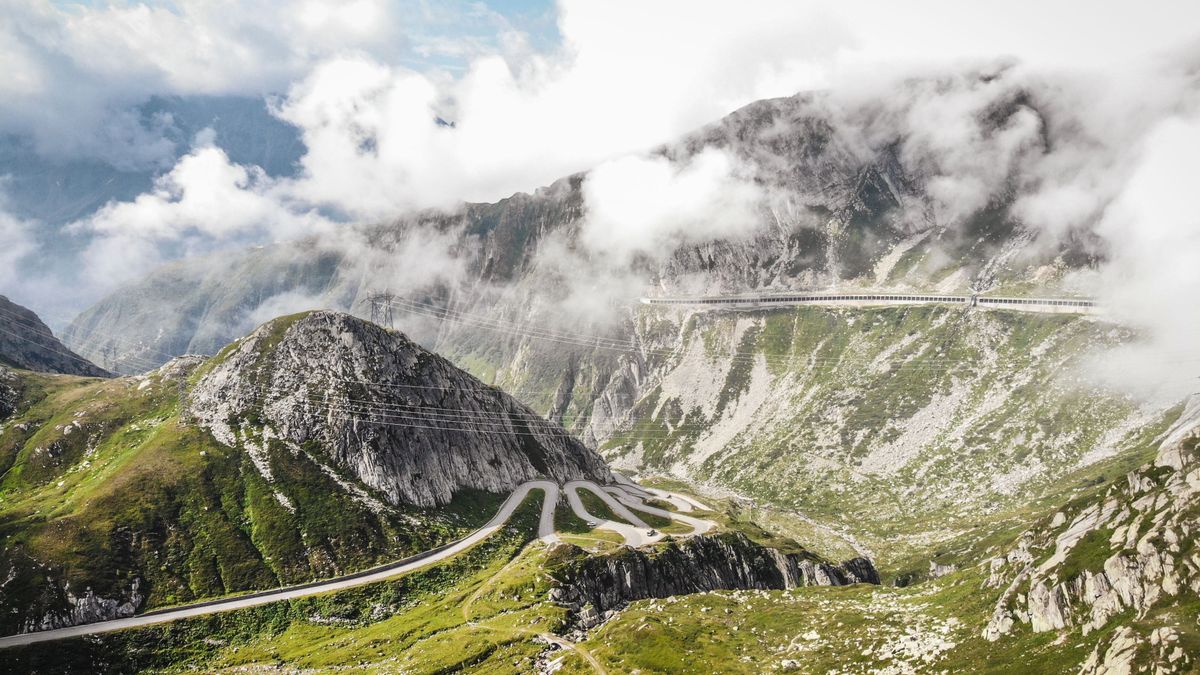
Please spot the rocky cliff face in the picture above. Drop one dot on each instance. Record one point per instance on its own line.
(1130, 553)
(26, 342)
(67, 609)
(727, 398)
(10, 393)
(595, 587)
(402, 420)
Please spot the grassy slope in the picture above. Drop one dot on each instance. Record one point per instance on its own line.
(479, 610)
(934, 627)
(981, 396)
(103, 484)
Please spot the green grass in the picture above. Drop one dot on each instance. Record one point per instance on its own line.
(566, 522)
(849, 629)
(1089, 553)
(105, 485)
(593, 504)
(856, 380)
(574, 530)
(477, 610)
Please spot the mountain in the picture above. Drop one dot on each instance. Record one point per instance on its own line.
(828, 411)
(836, 212)
(1021, 517)
(426, 430)
(1128, 551)
(26, 342)
(315, 446)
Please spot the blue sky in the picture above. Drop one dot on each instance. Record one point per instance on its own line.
(443, 19)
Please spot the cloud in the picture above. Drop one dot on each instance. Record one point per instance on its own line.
(205, 202)
(281, 304)
(23, 276)
(75, 73)
(401, 109)
(16, 243)
(521, 120)
(1074, 154)
(650, 205)
(1153, 277)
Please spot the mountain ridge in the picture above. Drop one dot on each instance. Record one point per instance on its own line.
(27, 342)
(347, 385)
(116, 497)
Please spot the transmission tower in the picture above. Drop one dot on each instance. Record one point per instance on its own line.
(109, 354)
(381, 307)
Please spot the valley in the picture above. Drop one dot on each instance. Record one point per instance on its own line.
(936, 604)
(401, 369)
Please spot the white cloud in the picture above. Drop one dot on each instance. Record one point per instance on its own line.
(16, 243)
(204, 202)
(1153, 278)
(650, 205)
(627, 76)
(622, 82)
(24, 278)
(73, 73)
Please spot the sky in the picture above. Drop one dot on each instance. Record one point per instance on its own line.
(404, 105)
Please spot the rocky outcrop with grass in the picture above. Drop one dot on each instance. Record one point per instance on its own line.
(375, 405)
(10, 393)
(26, 342)
(318, 446)
(594, 587)
(1130, 553)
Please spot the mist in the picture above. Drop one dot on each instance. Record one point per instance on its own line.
(1083, 142)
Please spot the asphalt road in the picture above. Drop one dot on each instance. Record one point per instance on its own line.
(632, 500)
(681, 502)
(635, 531)
(635, 535)
(545, 529)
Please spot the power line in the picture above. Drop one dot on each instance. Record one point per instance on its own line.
(66, 353)
(109, 337)
(381, 307)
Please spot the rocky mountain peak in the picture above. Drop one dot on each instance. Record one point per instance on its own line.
(26, 342)
(401, 419)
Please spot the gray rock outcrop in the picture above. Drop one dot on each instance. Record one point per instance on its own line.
(596, 586)
(26, 342)
(1128, 551)
(90, 608)
(401, 419)
(10, 393)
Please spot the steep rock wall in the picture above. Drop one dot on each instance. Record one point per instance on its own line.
(402, 420)
(596, 586)
(26, 342)
(1131, 550)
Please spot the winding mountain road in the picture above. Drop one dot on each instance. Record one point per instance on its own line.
(628, 498)
(683, 503)
(635, 535)
(545, 531)
(635, 531)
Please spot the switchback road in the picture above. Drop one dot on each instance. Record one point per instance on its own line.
(635, 535)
